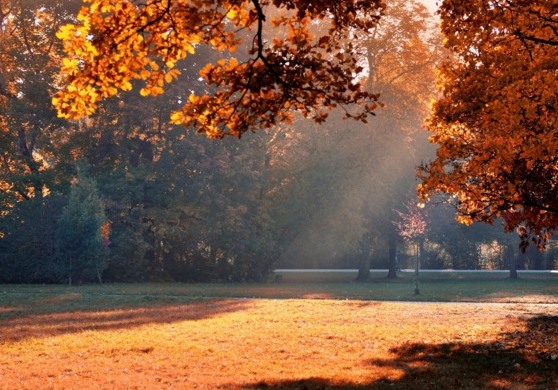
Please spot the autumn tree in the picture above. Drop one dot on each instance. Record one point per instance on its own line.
(31, 181)
(401, 53)
(29, 57)
(115, 44)
(495, 120)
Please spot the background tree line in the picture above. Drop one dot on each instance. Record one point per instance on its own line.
(123, 195)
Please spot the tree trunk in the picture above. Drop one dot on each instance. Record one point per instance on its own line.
(421, 250)
(364, 262)
(538, 258)
(548, 260)
(417, 267)
(393, 260)
(98, 273)
(363, 268)
(417, 260)
(510, 259)
(70, 271)
(26, 147)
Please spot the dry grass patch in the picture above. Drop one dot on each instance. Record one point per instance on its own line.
(284, 344)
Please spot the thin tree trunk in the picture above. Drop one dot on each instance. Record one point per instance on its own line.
(364, 263)
(392, 265)
(98, 274)
(420, 251)
(70, 272)
(417, 258)
(417, 267)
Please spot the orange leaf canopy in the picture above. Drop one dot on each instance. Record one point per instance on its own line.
(495, 122)
(309, 68)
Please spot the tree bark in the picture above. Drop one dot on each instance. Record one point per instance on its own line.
(537, 256)
(364, 262)
(393, 260)
(511, 260)
(98, 274)
(363, 268)
(421, 251)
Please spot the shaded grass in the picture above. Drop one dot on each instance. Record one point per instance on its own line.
(21, 299)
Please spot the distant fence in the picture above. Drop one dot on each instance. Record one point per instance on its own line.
(347, 275)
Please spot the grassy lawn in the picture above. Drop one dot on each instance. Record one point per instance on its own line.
(497, 334)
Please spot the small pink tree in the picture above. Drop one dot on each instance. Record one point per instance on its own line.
(411, 227)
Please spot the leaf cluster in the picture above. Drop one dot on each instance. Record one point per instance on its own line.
(114, 43)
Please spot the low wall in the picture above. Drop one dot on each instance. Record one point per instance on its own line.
(348, 275)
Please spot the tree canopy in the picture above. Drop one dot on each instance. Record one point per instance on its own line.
(281, 62)
(495, 121)
(29, 56)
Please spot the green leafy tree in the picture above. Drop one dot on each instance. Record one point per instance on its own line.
(80, 238)
(28, 242)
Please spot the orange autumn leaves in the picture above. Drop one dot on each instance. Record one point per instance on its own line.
(495, 122)
(115, 44)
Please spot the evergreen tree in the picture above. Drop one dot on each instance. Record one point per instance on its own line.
(80, 242)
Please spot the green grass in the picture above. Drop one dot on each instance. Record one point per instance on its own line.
(48, 298)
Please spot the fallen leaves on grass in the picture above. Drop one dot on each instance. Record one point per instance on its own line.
(537, 339)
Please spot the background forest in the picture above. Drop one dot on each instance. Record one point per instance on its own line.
(125, 196)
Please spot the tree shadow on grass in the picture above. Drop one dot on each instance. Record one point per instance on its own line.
(20, 326)
(526, 360)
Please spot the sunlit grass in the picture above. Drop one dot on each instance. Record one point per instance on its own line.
(170, 336)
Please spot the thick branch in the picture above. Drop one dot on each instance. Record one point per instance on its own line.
(534, 39)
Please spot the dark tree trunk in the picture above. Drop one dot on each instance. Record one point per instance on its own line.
(548, 260)
(511, 261)
(364, 262)
(538, 258)
(420, 251)
(363, 268)
(393, 260)
(417, 261)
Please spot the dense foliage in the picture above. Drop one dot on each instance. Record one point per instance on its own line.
(282, 64)
(495, 122)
